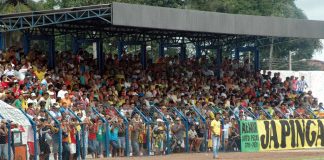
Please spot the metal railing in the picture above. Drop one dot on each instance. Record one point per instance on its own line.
(173, 112)
(266, 112)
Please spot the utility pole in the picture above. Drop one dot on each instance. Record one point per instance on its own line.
(272, 39)
(271, 54)
(290, 60)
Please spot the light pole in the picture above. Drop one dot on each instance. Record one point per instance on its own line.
(183, 4)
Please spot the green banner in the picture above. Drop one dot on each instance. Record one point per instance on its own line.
(249, 136)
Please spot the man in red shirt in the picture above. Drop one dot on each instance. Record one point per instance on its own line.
(93, 143)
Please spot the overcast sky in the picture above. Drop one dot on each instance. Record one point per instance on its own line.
(314, 9)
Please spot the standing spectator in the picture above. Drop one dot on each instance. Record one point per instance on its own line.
(192, 137)
(301, 85)
(227, 130)
(135, 130)
(294, 81)
(159, 137)
(44, 139)
(74, 127)
(178, 132)
(121, 138)
(114, 138)
(93, 143)
(65, 139)
(100, 137)
(3, 140)
(201, 130)
(55, 141)
(216, 128)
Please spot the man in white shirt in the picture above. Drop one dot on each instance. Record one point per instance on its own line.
(301, 85)
(32, 100)
(9, 71)
(61, 93)
(52, 96)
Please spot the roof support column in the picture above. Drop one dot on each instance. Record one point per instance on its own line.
(256, 59)
(237, 54)
(100, 56)
(219, 57)
(75, 45)
(198, 52)
(182, 53)
(161, 50)
(2, 40)
(120, 49)
(143, 55)
(26, 43)
(51, 52)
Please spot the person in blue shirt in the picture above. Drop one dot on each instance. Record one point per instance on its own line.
(114, 138)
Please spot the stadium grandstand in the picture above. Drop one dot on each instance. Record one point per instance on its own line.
(70, 105)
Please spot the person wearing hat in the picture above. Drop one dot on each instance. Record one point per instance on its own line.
(52, 97)
(32, 99)
(216, 133)
(159, 136)
(54, 110)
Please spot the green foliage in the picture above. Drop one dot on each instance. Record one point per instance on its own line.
(10, 8)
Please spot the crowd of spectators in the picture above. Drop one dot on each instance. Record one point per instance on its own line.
(75, 85)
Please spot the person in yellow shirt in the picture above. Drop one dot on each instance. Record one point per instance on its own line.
(40, 74)
(215, 126)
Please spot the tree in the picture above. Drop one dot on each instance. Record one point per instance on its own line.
(279, 8)
(11, 8)
(15, 2)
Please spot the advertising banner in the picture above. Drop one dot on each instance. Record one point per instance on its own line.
(290, 134)
(281, 134)
(249, 136)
